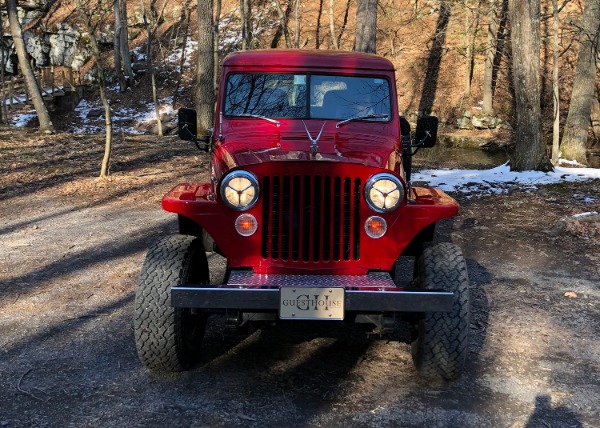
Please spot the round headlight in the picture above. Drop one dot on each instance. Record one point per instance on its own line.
(239, 190)
(384, 192)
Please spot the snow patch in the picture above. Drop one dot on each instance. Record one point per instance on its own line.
(500, 179)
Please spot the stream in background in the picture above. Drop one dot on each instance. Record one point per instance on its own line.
(442, 156)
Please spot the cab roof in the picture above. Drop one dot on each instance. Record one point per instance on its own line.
(307, 59)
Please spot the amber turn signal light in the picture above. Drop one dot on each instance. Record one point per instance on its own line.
(375, 226)
(246, 224)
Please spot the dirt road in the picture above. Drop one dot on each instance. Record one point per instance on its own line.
(73, 246)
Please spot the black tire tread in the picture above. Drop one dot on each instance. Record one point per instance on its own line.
(158, 327)
(443, 337)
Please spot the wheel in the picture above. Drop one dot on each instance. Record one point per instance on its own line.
(442, 341)
(167, 338)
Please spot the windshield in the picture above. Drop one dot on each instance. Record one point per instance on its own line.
(307, 96)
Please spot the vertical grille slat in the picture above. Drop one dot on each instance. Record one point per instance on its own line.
(317, 219)
(356, 232)
(336, 223)
(327, 226)
(311, 218)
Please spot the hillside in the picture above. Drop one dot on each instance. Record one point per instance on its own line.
(428, 48)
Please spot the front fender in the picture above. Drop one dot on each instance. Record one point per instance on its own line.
(194, 202)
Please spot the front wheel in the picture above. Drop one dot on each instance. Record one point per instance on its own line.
(168, 338)
(441, 346)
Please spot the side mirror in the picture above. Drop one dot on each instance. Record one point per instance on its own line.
(187, 124)
(405, 133)
(426, 133)
(188, 129)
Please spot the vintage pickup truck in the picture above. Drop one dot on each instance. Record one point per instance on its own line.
(310, 202)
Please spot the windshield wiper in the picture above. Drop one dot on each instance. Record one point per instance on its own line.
(365, 117)
(258, 116)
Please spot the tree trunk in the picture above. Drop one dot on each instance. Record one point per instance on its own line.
(297, 24)
(104, 168)
(102, 84)
(318, 28)
(150, 66)
(243, 24)
(32, 85)
(216, 46)
(490, 53)
(117, 47)
(530, 150)
(334, 40)
(344, 23)
(573, 145)
(434, 60)
(3, 107)
(124, 38)
(471, 24)
(246, 12)
(555, 85)
(366, 26)
(283, 25)
(595, 119)
(185, 25)
(205, 95)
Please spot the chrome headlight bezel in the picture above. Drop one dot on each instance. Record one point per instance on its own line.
(226, 184)
(371, 184)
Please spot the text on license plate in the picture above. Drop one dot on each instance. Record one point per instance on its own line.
(320, 303)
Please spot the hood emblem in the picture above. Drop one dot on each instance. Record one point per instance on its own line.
(313, 141)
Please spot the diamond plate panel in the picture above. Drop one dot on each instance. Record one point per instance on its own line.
(248, 279)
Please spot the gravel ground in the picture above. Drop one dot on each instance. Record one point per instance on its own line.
(72, 248)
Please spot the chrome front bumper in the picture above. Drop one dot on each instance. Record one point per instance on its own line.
(372, 293)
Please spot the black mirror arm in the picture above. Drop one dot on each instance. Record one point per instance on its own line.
(196, 140)
(421, 143)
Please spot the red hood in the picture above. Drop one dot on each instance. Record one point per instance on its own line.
(359, 143)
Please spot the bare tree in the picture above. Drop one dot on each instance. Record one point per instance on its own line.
(117, 46)
(297, 24)
(125, 56)
(246, 15)
(149, 39)
(3, 107)
(366, 26)
(530, 150)
(573, 145)
(334, 39)
(487, 107)
(284, 17)
(81, 7)
(344, 23)
(205, 95)
(595, 120)
(216, 22)
(471, 25)
(555, 84)
(30, 80)
(434, 59)
(497, 32)
(318, 26)
(121, 46)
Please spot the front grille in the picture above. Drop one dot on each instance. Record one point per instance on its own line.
(311, 218)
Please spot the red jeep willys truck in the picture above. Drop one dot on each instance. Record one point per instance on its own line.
(310, 202)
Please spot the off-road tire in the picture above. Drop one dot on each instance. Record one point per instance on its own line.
(167, 338)
(442, 341)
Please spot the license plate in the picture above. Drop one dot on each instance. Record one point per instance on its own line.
(311, 303)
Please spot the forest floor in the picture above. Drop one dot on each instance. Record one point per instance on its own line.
(72, 247)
